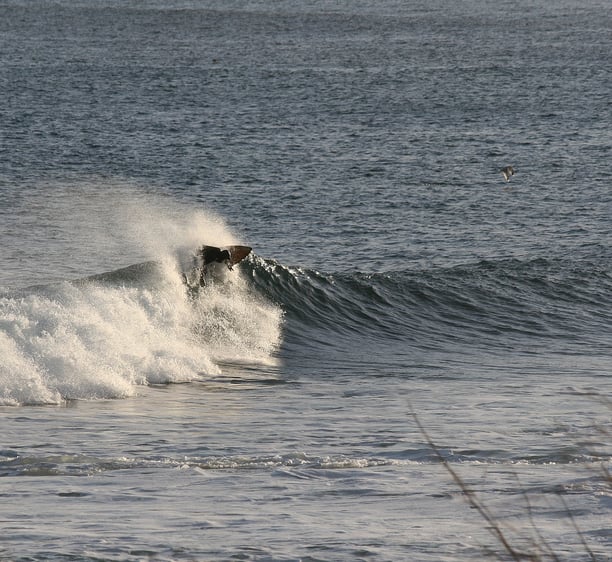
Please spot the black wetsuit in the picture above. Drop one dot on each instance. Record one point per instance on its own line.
(212, 254)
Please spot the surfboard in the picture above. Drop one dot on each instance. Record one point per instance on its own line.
(238, 253)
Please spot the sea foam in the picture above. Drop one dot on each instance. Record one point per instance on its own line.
(101, 337)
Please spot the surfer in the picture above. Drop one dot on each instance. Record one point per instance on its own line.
(212, 254)
(207, 256)
(507, 172)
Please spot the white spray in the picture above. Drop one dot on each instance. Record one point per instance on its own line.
(102, 338)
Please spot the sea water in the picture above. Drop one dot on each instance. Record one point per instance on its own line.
(414, 362)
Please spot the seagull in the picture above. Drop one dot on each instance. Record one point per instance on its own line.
(507, 172)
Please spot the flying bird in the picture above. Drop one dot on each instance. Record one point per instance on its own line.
(507, 172)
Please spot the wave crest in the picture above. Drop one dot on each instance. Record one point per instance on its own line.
(491, 303)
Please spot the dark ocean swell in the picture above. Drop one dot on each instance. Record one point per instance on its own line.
(505, 304)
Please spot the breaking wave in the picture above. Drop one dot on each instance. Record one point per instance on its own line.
(104, 336)
(493, 304)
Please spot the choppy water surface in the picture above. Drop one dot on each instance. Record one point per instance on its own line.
(357, 148)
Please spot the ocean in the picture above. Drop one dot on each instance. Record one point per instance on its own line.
(414, 363)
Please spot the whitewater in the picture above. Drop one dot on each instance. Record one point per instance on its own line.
(102, 336)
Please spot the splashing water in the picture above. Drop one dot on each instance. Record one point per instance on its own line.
(101, 337)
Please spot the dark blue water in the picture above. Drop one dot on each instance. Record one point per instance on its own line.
(357, 147)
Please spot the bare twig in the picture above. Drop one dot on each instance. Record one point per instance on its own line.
(543, 544)
(607, 474)
(543, 547)
(471, 497)
(577, 529)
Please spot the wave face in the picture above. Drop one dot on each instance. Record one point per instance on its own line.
(491, 305)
